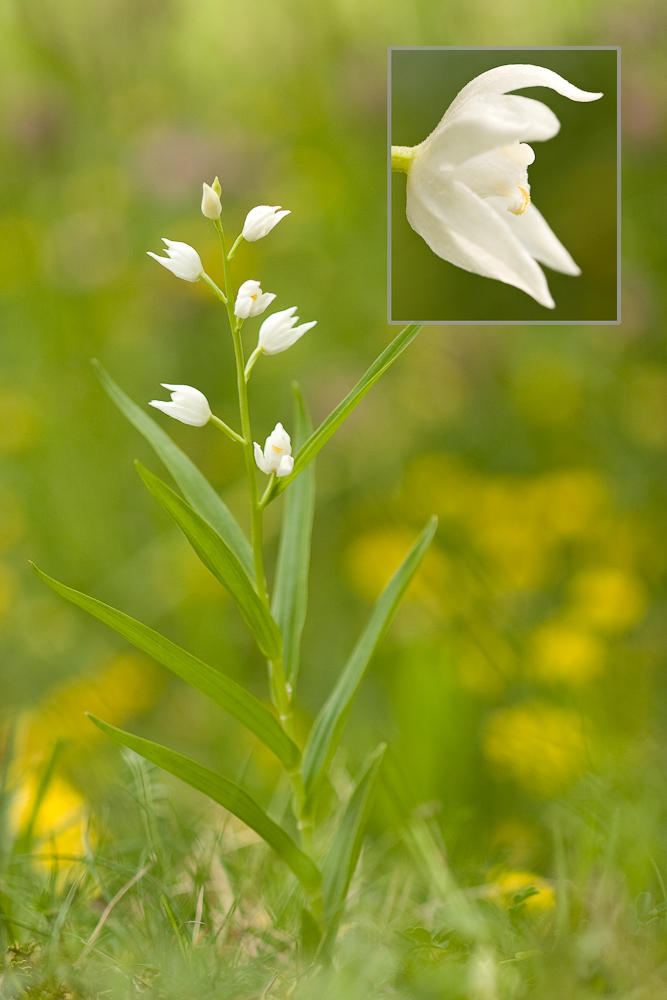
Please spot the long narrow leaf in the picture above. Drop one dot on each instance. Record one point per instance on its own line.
(219, 558)
(328, 727)
(290, 598)
(228, 794)
(195, 487)
(341, 861)
(221, 689)
(320, 437)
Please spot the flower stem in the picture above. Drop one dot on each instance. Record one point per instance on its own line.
(214, 288)
(226, 429)
(257, 511)
(401, 158)
(237, 243)
(252, 361)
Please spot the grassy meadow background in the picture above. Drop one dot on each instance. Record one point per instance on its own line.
(522, 688)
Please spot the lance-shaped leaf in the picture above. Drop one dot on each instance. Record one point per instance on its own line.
(195, 487)
(221, 689)
(341, 861)
(320, 437)
(290, 597)
(219, 558)
(327, 729)
(228, 794)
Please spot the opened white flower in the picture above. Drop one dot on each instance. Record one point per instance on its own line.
(260, 221)
(251, 300)
(277, 455)
(188, 405)
(468, 195)
(278, 331)
(182, 260)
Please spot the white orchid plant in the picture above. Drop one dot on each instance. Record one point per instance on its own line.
(468, 194)
(322, 844)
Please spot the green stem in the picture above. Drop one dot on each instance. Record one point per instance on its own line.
(280, 693)
(401, 158)
(226, 429)
(257, 511)
(252, 360)
(214, 288)
(237, 243)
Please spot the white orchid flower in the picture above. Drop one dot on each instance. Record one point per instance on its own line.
(251, 300)
(468, 195)
(277, 455)
(211, 206)
(278, 331)
(188, 405)
(182, 260)
(260, 221)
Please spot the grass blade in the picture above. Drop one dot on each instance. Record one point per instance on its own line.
(221, 689)
(290, 598)
(219, 558)
(228, 794)
(195, 487)
(328, 727)
(320, 437)
(341, 861)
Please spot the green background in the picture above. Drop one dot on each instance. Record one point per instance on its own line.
(573, 182)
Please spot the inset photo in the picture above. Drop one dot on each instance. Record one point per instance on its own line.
(503, 185)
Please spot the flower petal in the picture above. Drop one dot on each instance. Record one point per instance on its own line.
(536, 235)
(462, 229)
(502, 79)
(486, 123)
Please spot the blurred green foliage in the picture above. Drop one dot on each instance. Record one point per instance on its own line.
(532, 649)
(574, 183)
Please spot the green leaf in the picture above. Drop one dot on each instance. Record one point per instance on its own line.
(195, 487)
(341, 861)
(219, 558)
(320, 437)
(327, 729)
(290, 598)
(228, 794)
(221, 689)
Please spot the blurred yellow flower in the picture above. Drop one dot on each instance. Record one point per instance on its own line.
(371, 560)
(60, 824)
(607, 598)
(562, 651)
(506, 883)
(536, 744)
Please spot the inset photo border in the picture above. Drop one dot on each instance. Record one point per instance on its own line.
(504, 185)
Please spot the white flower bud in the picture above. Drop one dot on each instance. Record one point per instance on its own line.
(211, 206)
(277, 455)
(188, 405)
(251, 300)
(182, 260)
(260, 221)
(278, 331)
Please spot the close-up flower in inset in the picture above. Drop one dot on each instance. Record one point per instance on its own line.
(251, 300)
(188, 405)
(277, 455)
(260, 221)
(182, 260)
(468, 194)
(279, 331)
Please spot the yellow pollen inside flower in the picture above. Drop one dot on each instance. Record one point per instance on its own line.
(525, 201)
(254, 297)
(276, 449)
